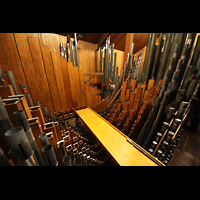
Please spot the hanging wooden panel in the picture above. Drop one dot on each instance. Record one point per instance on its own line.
(82, 85)
(77, 86)
(59, 78)
(72, 83)
(12, 56)
(51, 77)
(40, 71)
(29, 70)
(65, 73)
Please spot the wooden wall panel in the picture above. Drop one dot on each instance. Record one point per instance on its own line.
(82, 85)
(12, 56)
(67, 87)
(3, 62)
(59, 79)
(51, 77)
(40, 71)
(27, 63)
(72, 83)
(77, 86)
(29, 57)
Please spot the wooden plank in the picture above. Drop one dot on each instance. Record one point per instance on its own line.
(72, 83)
(82, 84)
(124, 87)
(59, 78)
(6, 91)
(12, 56)
(3, 62)
(27, 62)
(151, 83)
(65, 72)
(51, 77)
(113, 140)
(40, 71)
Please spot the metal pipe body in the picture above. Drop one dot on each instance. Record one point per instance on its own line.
(31, 161)
(5, 123)
(43, 139)
(67, 161)
(22, 121)
(76, 51)
(11, 80)
(49, 155)
(20, 146)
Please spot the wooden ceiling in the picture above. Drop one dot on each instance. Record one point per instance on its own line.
(140, 39)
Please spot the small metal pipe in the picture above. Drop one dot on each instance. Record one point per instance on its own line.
(11, 80)
(5, 123)
(22, 121)
(31, 161)
(49, 155)
(61, 147)
(67, 161)
(43, 139)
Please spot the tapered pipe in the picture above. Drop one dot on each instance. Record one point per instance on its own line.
(49, 155)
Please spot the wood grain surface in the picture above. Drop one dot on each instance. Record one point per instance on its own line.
(113, 140)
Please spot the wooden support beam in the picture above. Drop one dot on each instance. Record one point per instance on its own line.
(128, 41)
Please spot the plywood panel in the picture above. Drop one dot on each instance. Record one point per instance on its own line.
(59, 79)
(51, 77)
(65, 73)
(40, 71)
(12, 56)
(29, 70)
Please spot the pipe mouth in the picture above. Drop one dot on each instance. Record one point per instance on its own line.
(42, 135)
(47, 148)
(13, 131)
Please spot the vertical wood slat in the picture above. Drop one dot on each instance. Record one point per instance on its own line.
(27, 63)
(51, 77)
(67, 87)
(72, 83)
(59, 78)
(82, 86)
(3, 62)
(40, 71)
(12, 56)
(77, 86)
(16, 59)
